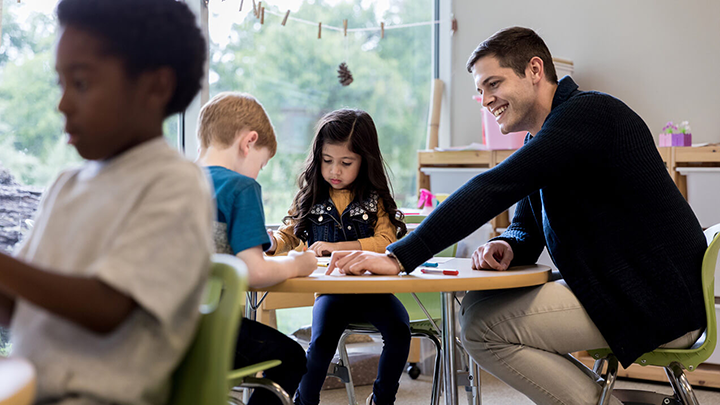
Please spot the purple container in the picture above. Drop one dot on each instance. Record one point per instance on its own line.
(681, 139)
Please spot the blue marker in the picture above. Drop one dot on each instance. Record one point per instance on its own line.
(428, 264)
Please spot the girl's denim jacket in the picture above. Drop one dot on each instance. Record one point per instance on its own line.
(356, 222)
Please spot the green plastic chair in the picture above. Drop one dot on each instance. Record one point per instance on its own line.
(204, 376)
(422, 324)
(673, 360)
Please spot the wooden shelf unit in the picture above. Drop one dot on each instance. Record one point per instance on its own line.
(674, 157)
(464, 158)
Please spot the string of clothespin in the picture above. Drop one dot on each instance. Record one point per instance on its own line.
(259, 10)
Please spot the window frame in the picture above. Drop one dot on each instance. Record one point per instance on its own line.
(188, 119)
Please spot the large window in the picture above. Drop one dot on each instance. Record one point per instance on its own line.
(291, 71)
(32, 143)
(294, 74)
(31, 146)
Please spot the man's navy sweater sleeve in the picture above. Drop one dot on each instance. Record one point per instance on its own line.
(524, 235)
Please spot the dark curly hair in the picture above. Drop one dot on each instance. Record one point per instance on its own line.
(146, 35)
(337, 128)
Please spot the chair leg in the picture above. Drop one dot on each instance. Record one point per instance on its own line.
(234, 401)
(252, 382)
(469, 371)
(680, 384)
(345, 360)
(474, 396)
(437, 370)
(610, 377)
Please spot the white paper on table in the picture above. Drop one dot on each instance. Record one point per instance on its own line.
(440, 260)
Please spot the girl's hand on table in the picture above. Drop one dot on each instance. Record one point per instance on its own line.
(273, 242)
(357, 262)
(323, 248)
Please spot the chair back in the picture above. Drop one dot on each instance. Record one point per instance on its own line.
(705, 345)
(691, 357)
(201, 377)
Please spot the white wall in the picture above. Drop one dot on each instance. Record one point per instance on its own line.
(661, 57)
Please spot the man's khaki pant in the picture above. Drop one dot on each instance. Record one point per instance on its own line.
(522, 336)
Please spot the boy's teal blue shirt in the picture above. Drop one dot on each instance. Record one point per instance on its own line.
(239, 205)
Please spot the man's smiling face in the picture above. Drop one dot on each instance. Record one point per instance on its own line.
(509, 97)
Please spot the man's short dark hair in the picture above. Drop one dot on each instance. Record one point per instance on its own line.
(146, 35)
(514, 47)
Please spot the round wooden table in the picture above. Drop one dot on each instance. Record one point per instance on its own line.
(467, 280)
(17, 381)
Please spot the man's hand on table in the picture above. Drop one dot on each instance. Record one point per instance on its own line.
(357, 262)
(495, 255)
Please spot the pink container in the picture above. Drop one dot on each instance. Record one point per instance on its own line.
(494, 139)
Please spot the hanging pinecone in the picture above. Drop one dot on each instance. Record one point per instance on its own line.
(344, 75)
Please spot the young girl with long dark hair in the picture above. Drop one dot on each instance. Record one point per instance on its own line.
(344, 203)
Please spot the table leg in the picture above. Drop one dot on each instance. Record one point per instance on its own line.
(448, 344)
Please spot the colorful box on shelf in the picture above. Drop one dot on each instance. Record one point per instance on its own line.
(428, 201)
(676, 139)
(674, 135)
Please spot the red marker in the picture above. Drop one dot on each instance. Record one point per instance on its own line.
(443, 272)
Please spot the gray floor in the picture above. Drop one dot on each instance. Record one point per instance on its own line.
(494, 392)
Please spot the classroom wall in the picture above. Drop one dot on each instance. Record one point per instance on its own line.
(661, 57)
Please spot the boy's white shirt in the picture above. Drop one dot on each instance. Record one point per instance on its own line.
(141, 223)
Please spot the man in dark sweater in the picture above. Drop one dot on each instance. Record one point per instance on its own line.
(593, 190)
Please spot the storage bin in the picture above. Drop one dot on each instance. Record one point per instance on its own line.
(717, 286)
(448, 179)
(715, 357)
(703, 193)
(496, 140)
(563, 67)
